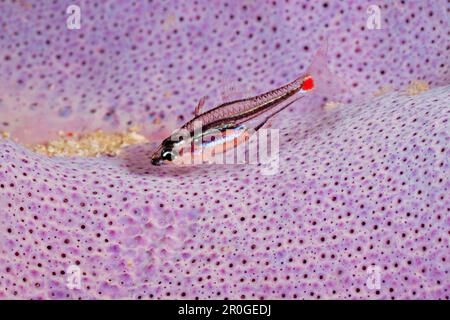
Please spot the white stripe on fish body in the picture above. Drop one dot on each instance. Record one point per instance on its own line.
(235, 133)
(203, 153)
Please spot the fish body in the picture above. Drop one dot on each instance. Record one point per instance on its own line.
(227, 119)
(225, 122)
(240, 111)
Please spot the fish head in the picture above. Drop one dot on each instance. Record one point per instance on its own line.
(171, 149)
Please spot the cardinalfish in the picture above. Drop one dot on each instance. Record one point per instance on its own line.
(224, 126)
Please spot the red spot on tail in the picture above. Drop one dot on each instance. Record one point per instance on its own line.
(308, 83)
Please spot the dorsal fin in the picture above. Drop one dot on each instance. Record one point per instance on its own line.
(198, 109)
(227, 92)
(233, 90)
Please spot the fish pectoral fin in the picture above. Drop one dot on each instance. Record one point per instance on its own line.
(198, 109)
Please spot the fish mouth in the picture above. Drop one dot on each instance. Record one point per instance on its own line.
(156, 159)
(157, 162)
(160, 162)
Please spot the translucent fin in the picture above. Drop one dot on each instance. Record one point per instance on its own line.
(262, 123)
(199, 108)
(325, 82)
(234, 90)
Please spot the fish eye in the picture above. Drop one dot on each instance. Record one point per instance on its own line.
(167, 155)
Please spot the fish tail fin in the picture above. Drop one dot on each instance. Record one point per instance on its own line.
(321, 78)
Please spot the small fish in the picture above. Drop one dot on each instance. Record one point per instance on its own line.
(222, 127)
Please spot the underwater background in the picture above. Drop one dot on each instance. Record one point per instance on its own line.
(360, 192)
